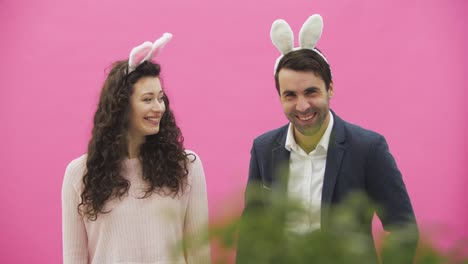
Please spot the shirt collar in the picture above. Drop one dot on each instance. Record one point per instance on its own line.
(323, 143)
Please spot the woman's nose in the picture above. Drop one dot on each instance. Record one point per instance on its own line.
(159, 106)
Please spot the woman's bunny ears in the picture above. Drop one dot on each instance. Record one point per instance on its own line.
(147, 51)
(283, 38)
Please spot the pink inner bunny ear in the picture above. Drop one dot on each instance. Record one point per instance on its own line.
(138, 54)
(159, 44)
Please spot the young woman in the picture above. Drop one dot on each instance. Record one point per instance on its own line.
(137, 193)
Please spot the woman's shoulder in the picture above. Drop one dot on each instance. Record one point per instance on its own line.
(194, 163)
(192, 157)
(78, 163)
(75, 170)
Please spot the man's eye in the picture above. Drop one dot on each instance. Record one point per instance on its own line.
(311, 92)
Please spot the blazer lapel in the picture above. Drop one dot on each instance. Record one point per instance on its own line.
(335, 153)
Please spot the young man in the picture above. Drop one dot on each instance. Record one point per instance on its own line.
(320, 159)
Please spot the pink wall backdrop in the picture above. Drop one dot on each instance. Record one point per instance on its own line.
(399, 67)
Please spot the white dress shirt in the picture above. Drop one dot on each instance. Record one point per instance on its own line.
(306, 173)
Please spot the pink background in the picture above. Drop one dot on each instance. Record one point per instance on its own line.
(399, 68)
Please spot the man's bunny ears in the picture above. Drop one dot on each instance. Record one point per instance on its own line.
(283, 38)
(147, 51)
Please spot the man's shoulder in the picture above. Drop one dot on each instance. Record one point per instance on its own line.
(359, 133)
(272, 135)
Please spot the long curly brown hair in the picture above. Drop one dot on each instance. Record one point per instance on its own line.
(163, 159)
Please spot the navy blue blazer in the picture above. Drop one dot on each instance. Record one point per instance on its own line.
(357, 160)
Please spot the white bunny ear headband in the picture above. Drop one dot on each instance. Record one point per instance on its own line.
(146, 51)
(283, 38)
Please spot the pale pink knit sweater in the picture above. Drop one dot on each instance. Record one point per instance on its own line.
(135, 230)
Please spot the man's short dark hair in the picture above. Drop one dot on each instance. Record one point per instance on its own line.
(305, 60)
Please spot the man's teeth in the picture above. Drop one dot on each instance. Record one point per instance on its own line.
(305, 118)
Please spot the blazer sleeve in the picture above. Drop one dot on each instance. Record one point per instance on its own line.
(387, 189)
(254, 180)
(75, 240)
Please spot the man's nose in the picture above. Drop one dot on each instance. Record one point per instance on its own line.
(302, 104)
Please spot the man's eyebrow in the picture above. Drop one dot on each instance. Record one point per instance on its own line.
(312, 89)
(287, 92)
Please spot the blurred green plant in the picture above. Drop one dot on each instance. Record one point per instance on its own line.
(264, 240)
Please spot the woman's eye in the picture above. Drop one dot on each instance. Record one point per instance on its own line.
(147, 100)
